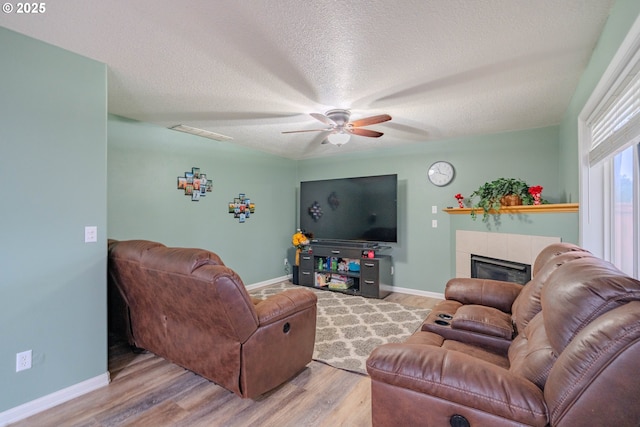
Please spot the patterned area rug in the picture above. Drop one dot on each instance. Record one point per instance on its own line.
(350, 327)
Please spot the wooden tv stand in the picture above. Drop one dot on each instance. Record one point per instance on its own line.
(347, 269)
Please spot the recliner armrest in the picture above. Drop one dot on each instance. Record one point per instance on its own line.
(491, 293)
(460, 379)
(284, 304)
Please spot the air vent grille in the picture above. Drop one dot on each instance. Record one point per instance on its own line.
(201, 132)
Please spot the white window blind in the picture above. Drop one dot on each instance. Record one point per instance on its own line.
(616, 123)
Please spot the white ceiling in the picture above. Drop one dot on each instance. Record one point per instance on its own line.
(254, 68)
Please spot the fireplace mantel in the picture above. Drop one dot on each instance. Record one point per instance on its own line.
(523, 209)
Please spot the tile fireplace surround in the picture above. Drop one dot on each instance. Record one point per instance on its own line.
(511, 247)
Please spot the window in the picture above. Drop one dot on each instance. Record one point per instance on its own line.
(609, 129)
(624, 238)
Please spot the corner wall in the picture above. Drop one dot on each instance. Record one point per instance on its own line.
(53, 173)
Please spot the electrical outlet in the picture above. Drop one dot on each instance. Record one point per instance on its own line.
(23, 360)
(286, 262)
(434, 223)
(90, 234)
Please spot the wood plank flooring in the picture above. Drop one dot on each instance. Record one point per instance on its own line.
(146, 390)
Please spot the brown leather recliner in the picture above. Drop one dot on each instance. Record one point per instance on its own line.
(489, 313)
(186, 306)
(576, 363)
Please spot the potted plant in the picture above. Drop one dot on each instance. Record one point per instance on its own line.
(500, 192)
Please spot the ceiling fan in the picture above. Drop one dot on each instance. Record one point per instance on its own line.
(341, 128)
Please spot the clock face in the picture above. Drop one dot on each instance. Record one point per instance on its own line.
(441, 173)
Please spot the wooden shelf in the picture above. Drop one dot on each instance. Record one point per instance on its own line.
(522, 209)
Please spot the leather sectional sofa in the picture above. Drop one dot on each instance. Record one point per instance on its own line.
(489, 313)
(575, 362)
(186, 306)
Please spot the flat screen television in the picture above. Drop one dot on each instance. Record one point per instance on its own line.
(361, 209)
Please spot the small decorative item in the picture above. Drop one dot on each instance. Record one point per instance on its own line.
(333, 200)
(460, 199)
(242, 208)
(195, 184)
(315, 211)
(536, 193)
(300, 241)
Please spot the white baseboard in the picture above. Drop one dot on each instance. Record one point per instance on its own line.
(49, 401)
(408, 291)
(268, 282)
(397, 289)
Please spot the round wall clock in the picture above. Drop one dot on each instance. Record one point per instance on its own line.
(441, 173)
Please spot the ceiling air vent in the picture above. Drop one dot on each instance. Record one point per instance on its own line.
(201, 132)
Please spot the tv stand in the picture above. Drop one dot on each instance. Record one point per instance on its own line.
(351, 268)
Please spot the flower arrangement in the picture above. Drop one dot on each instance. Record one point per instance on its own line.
(300, 240)
(536, 193)
(460, 198)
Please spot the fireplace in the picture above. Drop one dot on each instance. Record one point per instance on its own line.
(483, 267)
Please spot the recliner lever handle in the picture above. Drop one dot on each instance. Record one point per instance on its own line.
(459, 421)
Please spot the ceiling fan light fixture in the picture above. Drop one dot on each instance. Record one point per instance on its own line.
(201, 132)
(338, 138)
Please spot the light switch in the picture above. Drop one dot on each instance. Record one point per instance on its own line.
(434, 209)
(90, 234)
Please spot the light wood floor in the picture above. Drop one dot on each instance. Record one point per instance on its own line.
(146, 390)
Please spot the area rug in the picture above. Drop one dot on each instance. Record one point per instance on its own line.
(349, 327)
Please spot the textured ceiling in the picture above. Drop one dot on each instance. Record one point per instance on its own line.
(252, 69)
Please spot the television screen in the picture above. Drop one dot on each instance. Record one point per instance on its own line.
(351, 209)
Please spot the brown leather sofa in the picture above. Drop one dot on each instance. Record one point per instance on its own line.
(576, 363)
(186, 306)
(489, 313)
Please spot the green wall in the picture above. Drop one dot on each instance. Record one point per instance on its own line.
(422, 256)
(621, 18)
(144, 202)
(53, 174)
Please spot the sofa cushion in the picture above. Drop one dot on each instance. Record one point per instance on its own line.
(595, 380)
(132, 250)
(491, 293)
(179, 260)
(531, 354)
(581, 291)
(477, 353)
(484, 320)
(527, 304)
(552, 251)
(465, 382)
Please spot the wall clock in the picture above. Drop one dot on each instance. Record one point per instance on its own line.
(441, 173)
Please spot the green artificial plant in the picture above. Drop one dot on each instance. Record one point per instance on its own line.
(490, 193)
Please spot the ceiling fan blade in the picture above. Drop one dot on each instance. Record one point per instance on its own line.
(322, 118)
(365, 132)
(307, 130)
(367, 121)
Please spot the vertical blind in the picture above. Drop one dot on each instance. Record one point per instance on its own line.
(616, 123)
